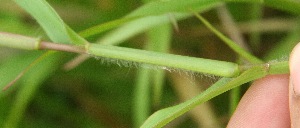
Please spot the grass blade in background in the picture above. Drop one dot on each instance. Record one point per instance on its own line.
(104, 27)
(50, 21)
(141, 98)
(256, 16)
(136, 27)
(282, 50)
(159, 41)
(179, 6)
(240, 51)
(11, 68)
(203, 115)
(31, 82)
(235, 34)
(174, 6)
(292, 6)
(150, 8)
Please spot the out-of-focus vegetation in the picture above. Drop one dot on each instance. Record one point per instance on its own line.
(110, 93)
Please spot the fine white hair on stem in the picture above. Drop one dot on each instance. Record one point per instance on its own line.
(267, 67)
(282, 58)
(129, 64)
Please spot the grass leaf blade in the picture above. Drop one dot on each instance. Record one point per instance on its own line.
(292, 6)
(50, 21)
(235, 47)
(163, 7)
(135, 27)
(159, 41)
(141, 106)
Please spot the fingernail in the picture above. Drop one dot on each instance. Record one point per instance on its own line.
(295, 69)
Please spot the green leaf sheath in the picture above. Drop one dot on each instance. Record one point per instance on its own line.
(219, 68)
(281, 67)
(272, 67)
(19, 41)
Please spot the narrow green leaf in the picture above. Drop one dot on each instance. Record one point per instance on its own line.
(164, 116)
(104, 27)
(180, 6)
(141, 106)
(74, 37)
(160, 41)
(50, 21)
(135, 27)
(292, 6)
(255, 15)
(174, 6)
(234, 98)
(283, 48)
(12, 67)
(234, 46)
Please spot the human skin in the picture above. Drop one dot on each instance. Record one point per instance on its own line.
(264, 105)
(294, 88)
(273, 101)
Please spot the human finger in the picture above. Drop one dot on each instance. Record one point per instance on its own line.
(294, 87)
(264, 105)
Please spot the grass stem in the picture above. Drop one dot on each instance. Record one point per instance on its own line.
(163, 60)
(219, 68)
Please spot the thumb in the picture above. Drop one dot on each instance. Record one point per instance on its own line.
(294, 87)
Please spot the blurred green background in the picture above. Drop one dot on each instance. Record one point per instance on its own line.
(97, 94)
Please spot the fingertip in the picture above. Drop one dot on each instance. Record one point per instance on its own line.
(294, 63)
(265, 104)
(294, 89)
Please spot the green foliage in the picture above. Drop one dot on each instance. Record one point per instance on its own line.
(54, 26)
(25, 94)
(98, 95)
(135, 27)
